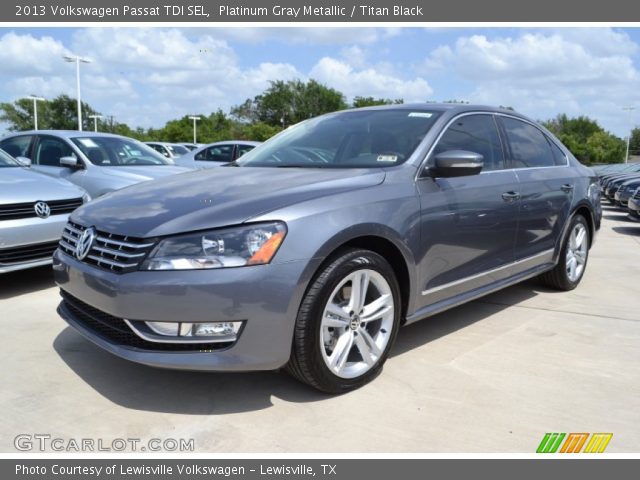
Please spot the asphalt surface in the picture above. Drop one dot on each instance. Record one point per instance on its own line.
(491, 376)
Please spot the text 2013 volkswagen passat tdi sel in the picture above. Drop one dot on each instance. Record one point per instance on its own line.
(311, 250)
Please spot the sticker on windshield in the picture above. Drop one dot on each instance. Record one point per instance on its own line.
(421, 114)
(387, 158)
(87, 142)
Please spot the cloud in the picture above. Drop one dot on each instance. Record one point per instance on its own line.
(369, 81)
(307, 35)
(577, 71)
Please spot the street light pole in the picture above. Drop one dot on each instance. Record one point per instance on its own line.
(95, 121)
(629, 110)
(35, 109)
(195, 119)
(77, 60)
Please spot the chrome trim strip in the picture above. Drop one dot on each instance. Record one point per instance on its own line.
(73, 230)
(488, 272)
(102, 239)
(187, 340)
(117, 253)
(110, 262)
(66, 245)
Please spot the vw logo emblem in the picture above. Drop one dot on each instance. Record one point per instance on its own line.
(85, 242)
(42, 209)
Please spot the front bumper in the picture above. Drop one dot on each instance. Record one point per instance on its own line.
(266, 298)
(29, 242)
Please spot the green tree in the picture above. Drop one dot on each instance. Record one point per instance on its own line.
(587, 140)
(59, 113)
(372, 102)
(286, 103)
(634, 142)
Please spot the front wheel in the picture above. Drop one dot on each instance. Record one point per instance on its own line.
(573, 257)
(347, 323)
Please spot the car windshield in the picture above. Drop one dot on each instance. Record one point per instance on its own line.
(7, 160)
(178, 149)
(357, 138)
(118, 152)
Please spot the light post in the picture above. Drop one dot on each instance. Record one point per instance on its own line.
(195, 119)
(95, 121)
(629, 110)
(35, 109)
(77, 60)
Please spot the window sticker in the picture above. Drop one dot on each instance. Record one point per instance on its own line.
(387, 158)
(87, 142)
(421, 114)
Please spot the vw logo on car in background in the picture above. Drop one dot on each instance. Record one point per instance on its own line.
(85, 242)
(42, 209)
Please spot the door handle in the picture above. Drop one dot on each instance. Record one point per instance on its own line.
(566, 188)
(510, 196)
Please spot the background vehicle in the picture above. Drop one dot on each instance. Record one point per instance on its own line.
(169, 150)
(625, 192)
(191, 146)
(97, 162)
(33, 211)
(216, 154)
(313, 248)
(634, 205)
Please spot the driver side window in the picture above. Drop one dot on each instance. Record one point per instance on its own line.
(49, 150)
(219, 153)
(474, 133)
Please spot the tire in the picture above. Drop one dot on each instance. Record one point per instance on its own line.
(562, 277)
(321, 335)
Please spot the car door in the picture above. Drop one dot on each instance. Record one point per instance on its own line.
(468, 224)
(46, 154)
(546, 190)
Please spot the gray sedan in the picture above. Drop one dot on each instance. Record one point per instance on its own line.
(312, 250)
(216, 154)
(33, 212)
(97, 162)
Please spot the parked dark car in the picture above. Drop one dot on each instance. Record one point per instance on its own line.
(614, 184)
(634, 205)
(310, 251)
(625, 192)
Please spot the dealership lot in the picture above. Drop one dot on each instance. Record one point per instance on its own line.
(490, 376)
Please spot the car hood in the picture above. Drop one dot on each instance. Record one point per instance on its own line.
(215, 198)
(22, 185)
(142, 173)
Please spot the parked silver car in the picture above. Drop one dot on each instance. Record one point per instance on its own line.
(33, 212)
(216, 154)
(169, 150)
(97, 162)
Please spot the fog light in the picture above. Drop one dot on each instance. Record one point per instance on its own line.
(216, 329)
(164, 328)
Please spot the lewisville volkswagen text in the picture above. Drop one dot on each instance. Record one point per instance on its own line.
(311, 250)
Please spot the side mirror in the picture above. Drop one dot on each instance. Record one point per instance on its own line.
(456, 163)
(71, 162)
(24, 161)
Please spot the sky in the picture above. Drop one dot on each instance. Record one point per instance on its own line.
(146, 76)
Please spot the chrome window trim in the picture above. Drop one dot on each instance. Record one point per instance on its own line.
(445, 286)
(423, 163)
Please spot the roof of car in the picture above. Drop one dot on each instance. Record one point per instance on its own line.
(65, 133)
(456, 107)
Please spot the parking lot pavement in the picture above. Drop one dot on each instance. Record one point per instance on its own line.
(490, 376)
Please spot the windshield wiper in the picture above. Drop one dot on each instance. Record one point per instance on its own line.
(232, 164)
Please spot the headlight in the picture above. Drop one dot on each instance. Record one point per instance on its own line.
(232, 247)
(86, 198)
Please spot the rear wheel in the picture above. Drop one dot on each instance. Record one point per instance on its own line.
(347, 323)
(573, 257)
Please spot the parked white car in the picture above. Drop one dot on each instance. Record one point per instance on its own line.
(216, 154)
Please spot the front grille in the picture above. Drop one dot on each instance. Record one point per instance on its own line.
(27, 210)
(117, 253)
(27, 253)
(115, 330)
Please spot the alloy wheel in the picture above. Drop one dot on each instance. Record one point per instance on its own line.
(577, 251)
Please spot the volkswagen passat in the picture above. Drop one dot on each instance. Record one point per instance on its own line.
(311, 250)
(33, 211)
